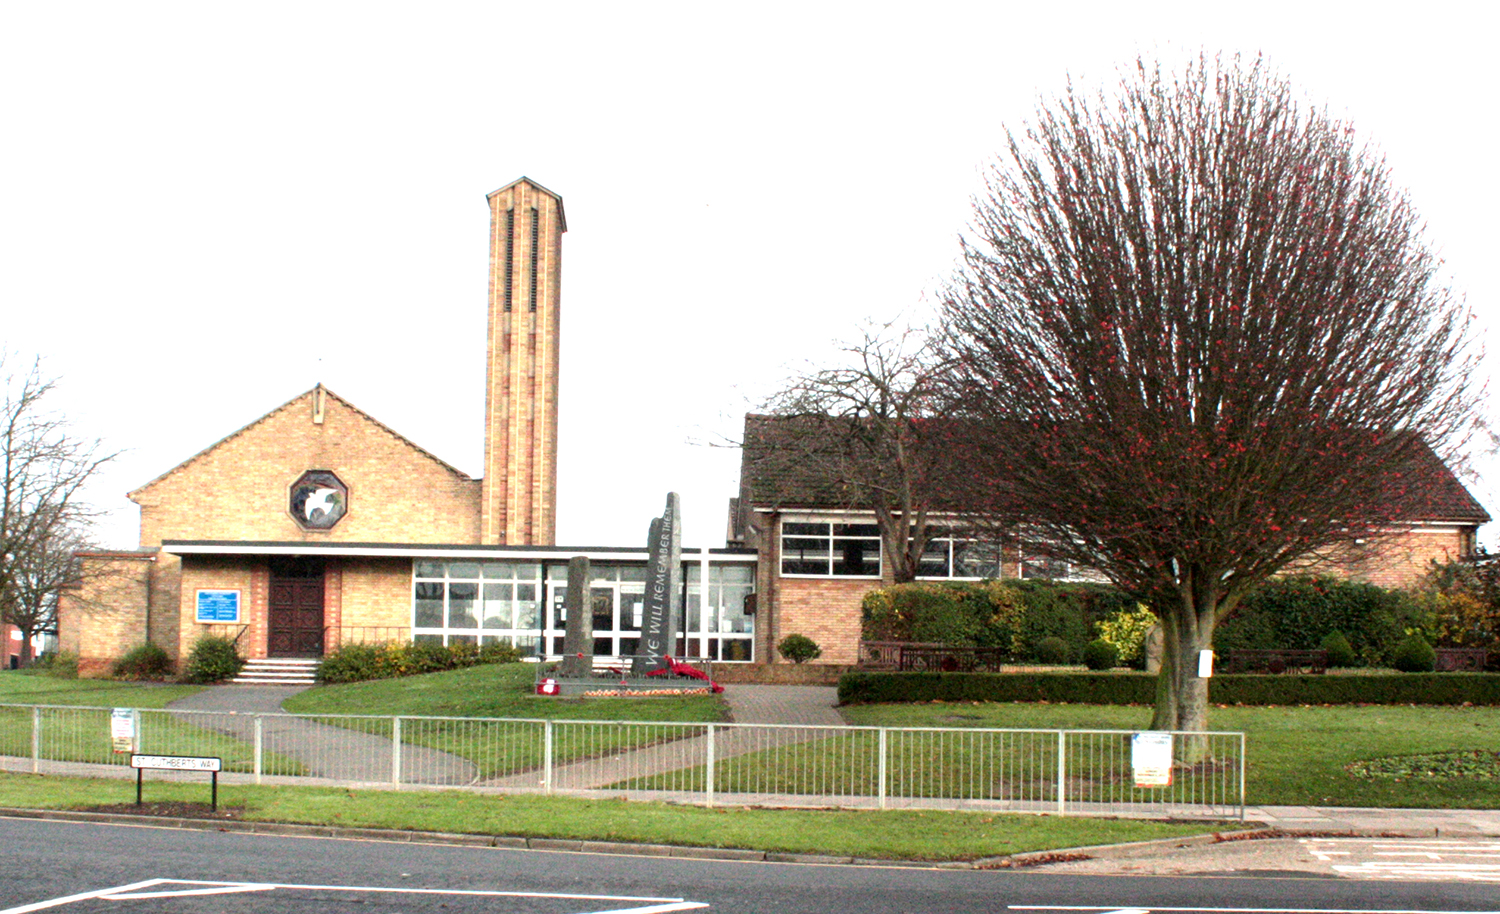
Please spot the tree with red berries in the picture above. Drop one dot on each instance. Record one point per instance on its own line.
(1201, 337)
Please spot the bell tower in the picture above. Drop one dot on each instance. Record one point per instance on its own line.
(520, 426)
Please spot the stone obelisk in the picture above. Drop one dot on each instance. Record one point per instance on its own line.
(662, 610)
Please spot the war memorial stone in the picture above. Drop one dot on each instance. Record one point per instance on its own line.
(578, 636)
(662, 610)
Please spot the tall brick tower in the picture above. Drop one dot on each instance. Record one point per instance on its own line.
(520, 425)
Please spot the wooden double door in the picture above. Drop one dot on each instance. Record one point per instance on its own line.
(296, 608)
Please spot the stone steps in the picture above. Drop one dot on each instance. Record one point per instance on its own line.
(278, 671)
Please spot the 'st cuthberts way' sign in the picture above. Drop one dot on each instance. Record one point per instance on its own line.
(662, 610)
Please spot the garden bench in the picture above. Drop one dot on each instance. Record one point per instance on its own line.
(949, 659)
(886, 655)
(1274, 661)
(1461, 659)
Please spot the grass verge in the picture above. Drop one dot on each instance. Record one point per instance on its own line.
(506, 691)
(1295, 755)
(494, 690)
(890, 834)
(36, 688)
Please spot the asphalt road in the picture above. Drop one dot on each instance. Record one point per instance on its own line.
(88, 868)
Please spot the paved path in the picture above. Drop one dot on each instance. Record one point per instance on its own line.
(332, 752)
(784, 704)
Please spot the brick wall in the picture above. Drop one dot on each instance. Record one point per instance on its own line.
(239, 488)
(105, 615)
(826, 610)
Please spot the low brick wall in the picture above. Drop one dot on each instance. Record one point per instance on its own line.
(781, 673)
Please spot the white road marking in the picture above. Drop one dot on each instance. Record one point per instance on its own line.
(81, 896)
(138, 890)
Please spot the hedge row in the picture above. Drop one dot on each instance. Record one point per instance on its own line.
(1140, 688)
(362, 662)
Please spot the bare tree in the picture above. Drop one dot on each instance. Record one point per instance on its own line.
(1203, 339)
(857, 435)
(43, 470)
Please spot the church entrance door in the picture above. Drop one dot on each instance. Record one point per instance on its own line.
(296, 607)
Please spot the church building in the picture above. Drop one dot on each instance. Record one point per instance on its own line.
(316, 525)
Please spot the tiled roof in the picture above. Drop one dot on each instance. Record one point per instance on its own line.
(769, 479)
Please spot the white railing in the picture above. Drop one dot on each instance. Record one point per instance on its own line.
(1070, 772)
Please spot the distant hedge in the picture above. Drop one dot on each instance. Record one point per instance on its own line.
(362, 662)
(1140, 688)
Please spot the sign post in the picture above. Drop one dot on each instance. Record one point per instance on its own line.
(177, 763)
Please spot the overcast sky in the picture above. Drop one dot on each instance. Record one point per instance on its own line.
(206, 209)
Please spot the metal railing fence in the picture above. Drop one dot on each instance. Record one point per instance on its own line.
(1077, 772)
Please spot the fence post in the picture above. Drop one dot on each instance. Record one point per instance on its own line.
(260, 746)
(881, 767)
(708, 770)
(1242, 776)
(396, 751)
(547, 758)
(135, 726)
(36, 740)
(1062, 771)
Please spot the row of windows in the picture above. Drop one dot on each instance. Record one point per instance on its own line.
(844, 550)
(523, 604)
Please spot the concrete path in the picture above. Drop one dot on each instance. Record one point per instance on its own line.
(329, 752)
(784, 704)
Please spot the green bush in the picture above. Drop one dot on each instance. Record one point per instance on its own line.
(1340, 654)
(59, 664)
(1053, 650)
(145, 661)
(1414, 655)
(1100, 655)
(1126, 630)
(799, 648)
(1297, 613)
(212, 659)
(1121, 688)
(1015, 616)
(361, 662)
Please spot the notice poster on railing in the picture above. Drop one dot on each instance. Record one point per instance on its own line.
(1151, 759)
(122, 729)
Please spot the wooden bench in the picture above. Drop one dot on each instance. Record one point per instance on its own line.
(1274, 661)
(1461, 659)
(886, 655)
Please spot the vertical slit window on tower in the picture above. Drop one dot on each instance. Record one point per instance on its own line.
(535, 235)
(510, 250)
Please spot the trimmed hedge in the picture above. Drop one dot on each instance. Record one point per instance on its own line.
(1140, 688)
(362, 662)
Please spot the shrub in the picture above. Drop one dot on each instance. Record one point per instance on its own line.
(1340, 654)
(361, 662)
(1126, 630)
(920, 612)
(1053, 650)
(1414, 655)
(799, 648)
(1297, 613)
(144, 661)
(1100, 655)
(59, 664)
(212, 659)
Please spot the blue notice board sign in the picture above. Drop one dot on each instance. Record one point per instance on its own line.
(218, 606)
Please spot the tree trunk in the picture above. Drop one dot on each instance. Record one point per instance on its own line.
(1181, 694)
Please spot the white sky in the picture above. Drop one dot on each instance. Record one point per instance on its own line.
(206, 209)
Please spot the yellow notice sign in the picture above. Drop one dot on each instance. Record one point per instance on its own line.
(1151, 759)
(122, 729)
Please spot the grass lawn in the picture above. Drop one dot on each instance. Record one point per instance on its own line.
(1295, 755)
(900, 834)
(506, 691)
(494, 690)
(34, 688)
